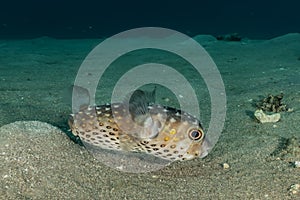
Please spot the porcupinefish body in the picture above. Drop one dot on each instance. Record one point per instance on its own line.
(141, 126)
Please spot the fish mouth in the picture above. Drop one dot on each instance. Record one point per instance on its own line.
(205, 148)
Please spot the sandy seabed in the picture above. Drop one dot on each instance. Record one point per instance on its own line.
(39, 161)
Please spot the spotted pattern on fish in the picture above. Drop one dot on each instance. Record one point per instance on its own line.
(165, 132)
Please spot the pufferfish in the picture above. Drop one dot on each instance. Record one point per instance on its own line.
(139, 125)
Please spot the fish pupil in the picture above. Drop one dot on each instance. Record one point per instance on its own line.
(195, 134)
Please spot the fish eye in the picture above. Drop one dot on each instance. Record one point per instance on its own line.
(196, 134)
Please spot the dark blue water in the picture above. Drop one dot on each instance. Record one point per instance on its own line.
(93, 19)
